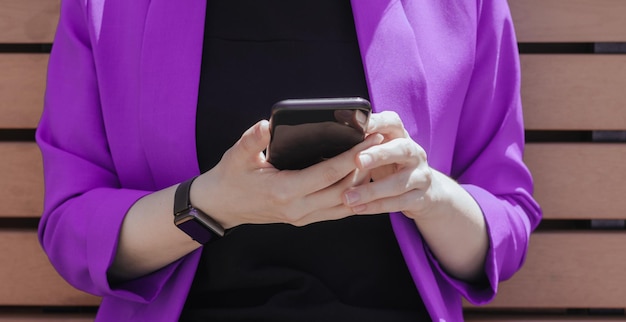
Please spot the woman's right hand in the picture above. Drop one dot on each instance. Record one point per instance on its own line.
(244, 188)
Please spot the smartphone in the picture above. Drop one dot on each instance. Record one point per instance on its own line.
(307, 131)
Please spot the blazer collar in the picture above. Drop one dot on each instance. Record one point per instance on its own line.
(170, 71)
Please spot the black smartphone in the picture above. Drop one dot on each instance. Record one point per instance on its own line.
(307, 131)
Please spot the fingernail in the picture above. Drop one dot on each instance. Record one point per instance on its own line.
(365, 160)
(352, 197)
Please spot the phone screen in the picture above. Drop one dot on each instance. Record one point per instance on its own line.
(308, 131)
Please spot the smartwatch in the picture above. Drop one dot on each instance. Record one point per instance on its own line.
(194, 222)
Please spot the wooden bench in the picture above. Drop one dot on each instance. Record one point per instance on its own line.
(571, 96)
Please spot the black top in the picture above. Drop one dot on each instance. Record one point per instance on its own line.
(255, 54)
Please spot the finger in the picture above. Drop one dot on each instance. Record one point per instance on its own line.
(403, 152)
(299, 207)
(254, 140)
(302, 189)
(387, 123)
(396, 185)
(333, 213)
(327, 173)
(332, 195)
(399, 203)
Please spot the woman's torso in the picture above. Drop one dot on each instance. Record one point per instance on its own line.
(350, 269)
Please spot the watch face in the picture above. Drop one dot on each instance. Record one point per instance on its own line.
(192, 226)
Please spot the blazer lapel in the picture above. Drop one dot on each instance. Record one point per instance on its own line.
(170, 71)
(392, 62)
(396, 81)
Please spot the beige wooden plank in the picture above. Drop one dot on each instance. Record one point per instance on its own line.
(569, 270)
(574, 92)
(27, 278)
(569, 20)
(572, 181)
(504, 317)
(28, 21)
(21, 186)
(535, 20)
(46, 317)
(22, 86)
(579, 181)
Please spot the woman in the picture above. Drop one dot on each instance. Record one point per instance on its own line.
(144, 95)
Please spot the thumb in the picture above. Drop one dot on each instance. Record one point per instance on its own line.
(255, 139)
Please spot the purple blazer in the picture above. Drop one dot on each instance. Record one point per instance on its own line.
(119, 123)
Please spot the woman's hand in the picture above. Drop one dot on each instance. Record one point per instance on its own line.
(447, 216)
(244, 188)
(402, 178)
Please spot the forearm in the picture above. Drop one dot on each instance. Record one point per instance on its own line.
(455, 230)
(242, 188)
(149, 240)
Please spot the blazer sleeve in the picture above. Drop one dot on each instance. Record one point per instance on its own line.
(85, 203)
(488, 154)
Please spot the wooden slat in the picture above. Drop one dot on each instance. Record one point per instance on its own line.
(574, 92)
(572, 181)
(27, 278)
(22, 85)
(569, 270)
(569, 20)
(28, 21)
(46, 317)
(535, 20)
(579, 181)
(21, 186)
(503, 317)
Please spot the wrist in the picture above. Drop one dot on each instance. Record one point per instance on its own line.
(196, 223)
(435, 201)
(205, 194)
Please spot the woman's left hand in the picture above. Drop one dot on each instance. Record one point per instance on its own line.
(447, 216)
(402, 180)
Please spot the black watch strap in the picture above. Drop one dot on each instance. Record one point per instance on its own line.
(184, 212)
(182, 201)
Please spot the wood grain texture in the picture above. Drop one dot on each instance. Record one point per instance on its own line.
(574, 92)
(579, 181)
(22, 86)
(28, 21)
(27, 277)
(569, 270)
(21, 186)
(569, 20)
